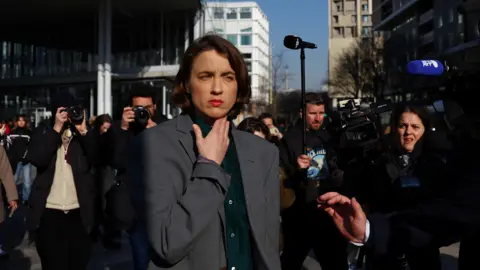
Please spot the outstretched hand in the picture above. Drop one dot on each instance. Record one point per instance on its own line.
(347, 215)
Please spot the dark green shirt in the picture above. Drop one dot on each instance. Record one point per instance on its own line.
(239, 255)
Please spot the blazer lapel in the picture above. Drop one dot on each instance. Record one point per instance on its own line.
(253, 188)
(187, 137)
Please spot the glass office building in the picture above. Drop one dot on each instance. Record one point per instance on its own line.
(147, 44)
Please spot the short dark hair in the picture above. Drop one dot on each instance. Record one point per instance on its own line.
(265, 116)
(418, 110)
(222, 46)
(21, 116)
(252, 124)
(142, 90)
(314, 98)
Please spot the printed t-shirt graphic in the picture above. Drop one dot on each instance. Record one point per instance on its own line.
(318, 169)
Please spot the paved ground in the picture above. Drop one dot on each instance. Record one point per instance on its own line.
(24, 256)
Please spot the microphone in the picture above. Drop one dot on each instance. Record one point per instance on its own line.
(295, 43)
(425, 67)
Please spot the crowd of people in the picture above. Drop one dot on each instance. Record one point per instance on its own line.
(197, 192)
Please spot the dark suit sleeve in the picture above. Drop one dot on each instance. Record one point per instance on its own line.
(89, 145)
(176, 204)
(120, 138)
(438, 222)
(289, 162)
(43, 146)
(273, 204)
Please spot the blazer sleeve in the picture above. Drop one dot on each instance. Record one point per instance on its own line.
(6, 176)
(43, 146)
(273, 205)
(155, 169)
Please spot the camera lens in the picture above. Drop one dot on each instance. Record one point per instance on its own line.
(141, 116)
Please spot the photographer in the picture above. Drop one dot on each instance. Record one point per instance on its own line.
(138, 116)
(304, 226)
(61, 204)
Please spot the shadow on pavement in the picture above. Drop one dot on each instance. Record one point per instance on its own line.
(16, 261)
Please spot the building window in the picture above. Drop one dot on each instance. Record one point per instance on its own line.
(245, 13)
(335, 19)
(246, 30)
(365, 18)
(451, 15)
(218, 13)
(338, 31)
(218, 30)
(249, 66)
(247, 55)
(339, 6)
(365, 7)
(232, 14)
(246, 40)
(440, 21)
(233, 39)
(354, 19)
(366, 31)
(460, 18)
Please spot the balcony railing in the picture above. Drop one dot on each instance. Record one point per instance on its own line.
(425, 17)
(427, 38)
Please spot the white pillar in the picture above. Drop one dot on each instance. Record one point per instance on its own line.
(164, 100)
(187, 32)
(100, 59)
(92, 102)
(108, 54)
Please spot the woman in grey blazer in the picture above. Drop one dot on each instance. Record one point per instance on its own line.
(208, 193)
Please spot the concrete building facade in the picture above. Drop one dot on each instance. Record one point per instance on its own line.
(247, 27)
(348, 20)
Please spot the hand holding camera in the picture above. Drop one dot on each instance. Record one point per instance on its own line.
(61, 116)
(75, 115)
(128, 116)
(138, 116)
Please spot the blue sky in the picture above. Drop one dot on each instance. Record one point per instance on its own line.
(307, 19)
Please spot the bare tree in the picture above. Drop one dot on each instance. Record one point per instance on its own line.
(280, 77)
(358, 70)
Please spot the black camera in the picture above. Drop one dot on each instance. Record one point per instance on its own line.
(357, 126)
(75, 114)
(141, 116)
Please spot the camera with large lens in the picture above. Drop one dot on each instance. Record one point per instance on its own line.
(75, 114)
(357, 127)
(141, 116)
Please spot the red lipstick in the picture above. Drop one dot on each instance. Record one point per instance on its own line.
(215, 102)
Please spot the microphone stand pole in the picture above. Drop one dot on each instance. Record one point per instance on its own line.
(304, 104)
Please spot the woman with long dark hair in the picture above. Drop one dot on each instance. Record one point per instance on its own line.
(408, 173)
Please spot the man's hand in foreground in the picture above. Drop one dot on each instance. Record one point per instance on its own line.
(347, 214)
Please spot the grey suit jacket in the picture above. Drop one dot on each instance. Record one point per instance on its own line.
(181, 200)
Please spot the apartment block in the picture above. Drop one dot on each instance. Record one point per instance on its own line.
(348, 21)
(425, 29)
(246, 26)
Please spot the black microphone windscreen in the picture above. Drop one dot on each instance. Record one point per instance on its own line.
(292, 42)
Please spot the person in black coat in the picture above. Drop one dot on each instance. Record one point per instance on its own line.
(61, 208)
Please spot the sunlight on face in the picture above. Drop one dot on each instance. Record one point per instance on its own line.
(410, 129)
(315, 116)
(259, 134)
(213, 84)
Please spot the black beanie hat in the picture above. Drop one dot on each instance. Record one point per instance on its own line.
(62, 99)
